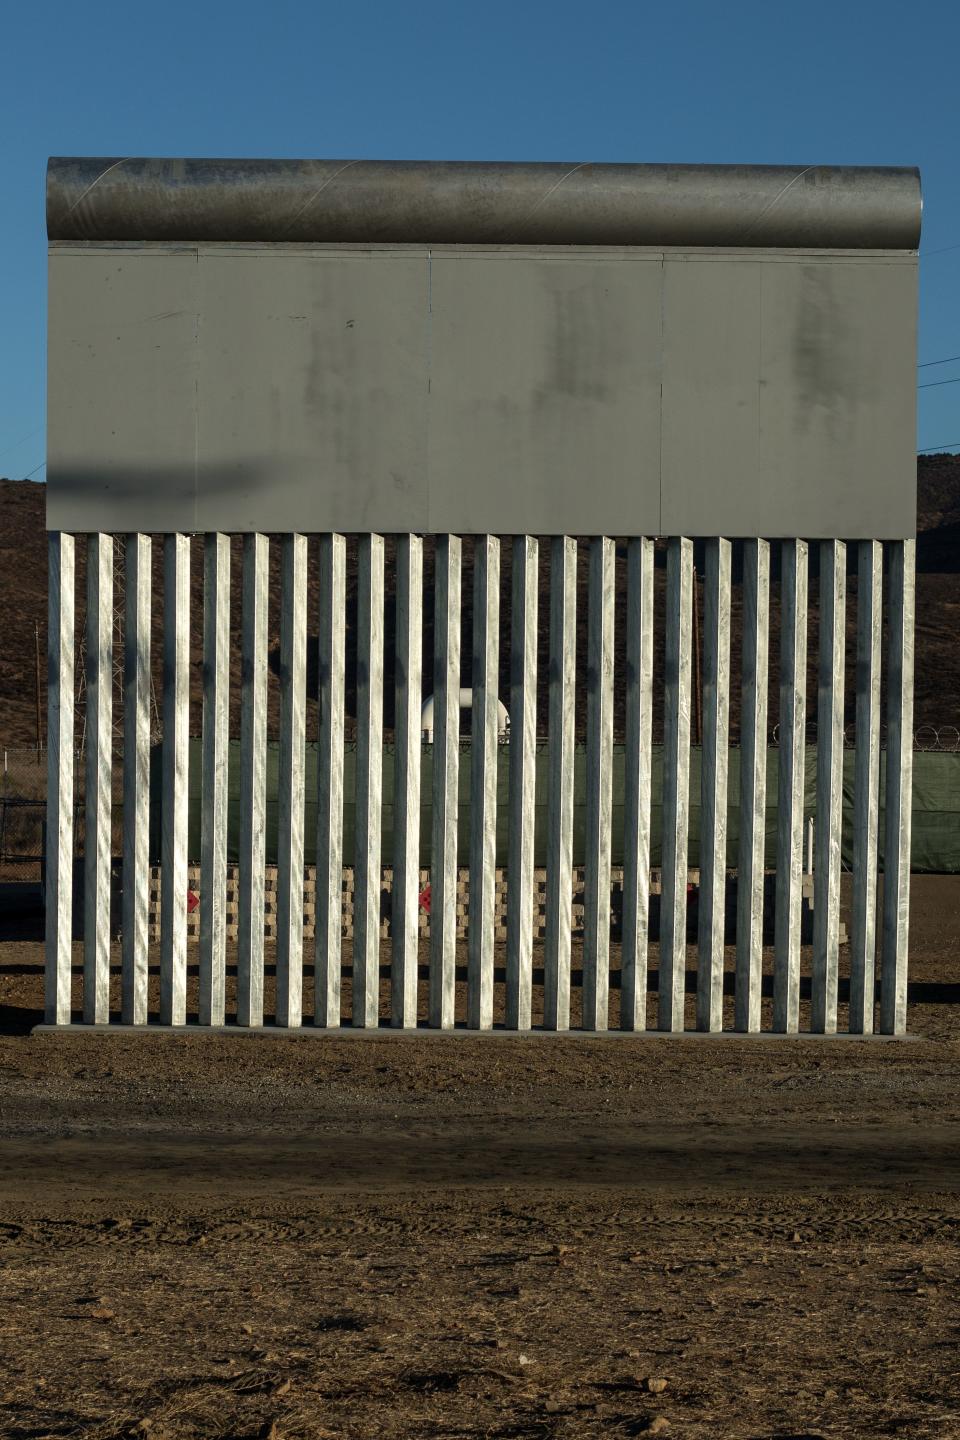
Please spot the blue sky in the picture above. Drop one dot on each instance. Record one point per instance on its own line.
(845, 82)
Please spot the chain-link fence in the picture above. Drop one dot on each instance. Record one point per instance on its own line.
(21, 840)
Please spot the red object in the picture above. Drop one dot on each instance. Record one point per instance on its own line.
(425, 899)
(192, 902)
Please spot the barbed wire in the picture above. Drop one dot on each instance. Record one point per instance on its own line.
(942, 738)
(937, 737)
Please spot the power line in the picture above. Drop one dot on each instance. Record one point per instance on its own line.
(942, 251)
(927, 363)
(929, 384)
(34, 470)
(17, 443)
(929, 449)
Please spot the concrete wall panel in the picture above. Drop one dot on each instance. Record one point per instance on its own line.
(545, 393)
(510, 390)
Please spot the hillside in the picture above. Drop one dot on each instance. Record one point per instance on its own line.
(23, 608)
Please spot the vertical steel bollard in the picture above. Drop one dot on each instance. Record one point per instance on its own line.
(213, 818)
(366, 902)
(483, 782)
(446, 772)
(596, 884)
(866, 789)
(523, 776)
(253, 780)
(715, 756)
(59, 859)
(793, 710)
(136, 780)
(330, 664)
(898, 789)
(637, 787)
(676, 781)
(99, 763)
(559, 899)
(753, 785)
(406, 835)
(293, 700)
(826, 881)
(176, 702)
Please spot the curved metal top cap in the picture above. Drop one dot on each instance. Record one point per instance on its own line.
(471, 202)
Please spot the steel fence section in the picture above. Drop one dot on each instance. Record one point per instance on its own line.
(514, 808)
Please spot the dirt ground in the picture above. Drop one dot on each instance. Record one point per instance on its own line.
(458, 1236)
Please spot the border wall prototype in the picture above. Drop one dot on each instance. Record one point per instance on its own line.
(558, 358)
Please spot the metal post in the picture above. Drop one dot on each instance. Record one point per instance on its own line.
(366, 900)
(213, 815)
(330, 658)
(136, 779)
(176, 701)
(563, 664)
(866, 789)
(99, 758)
(293, 700)
(596, 886)
(716, 740)
(483, 782)
(898, 788)
(793, 709)
(253, 780)
(826, 881)
(753, 784)
(60, 702)
(637, 786)
(676, 782)
(446, 770)
(523, 776)
(406, 833)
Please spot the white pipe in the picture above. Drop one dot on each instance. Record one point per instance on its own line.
(466, 703)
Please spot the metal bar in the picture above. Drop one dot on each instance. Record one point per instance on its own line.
(99, 758)
(676, 781)
(176, 701)
(253, 780)
(637, 785)
(793, 712)
(713, 784)
(559, 898)
(826, 878)
(330, 657)
(523, 776)
(753, 784)
(60, 703)
(136, 779)
(213, 811)
(446, 769)
(483, 782)
(485, 203)
(866, 788)
(406, 841)
(898, 788)
(293, 701)
(596, 886)
(366, 900)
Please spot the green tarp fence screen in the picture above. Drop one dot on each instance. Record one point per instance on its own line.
(936, 806)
